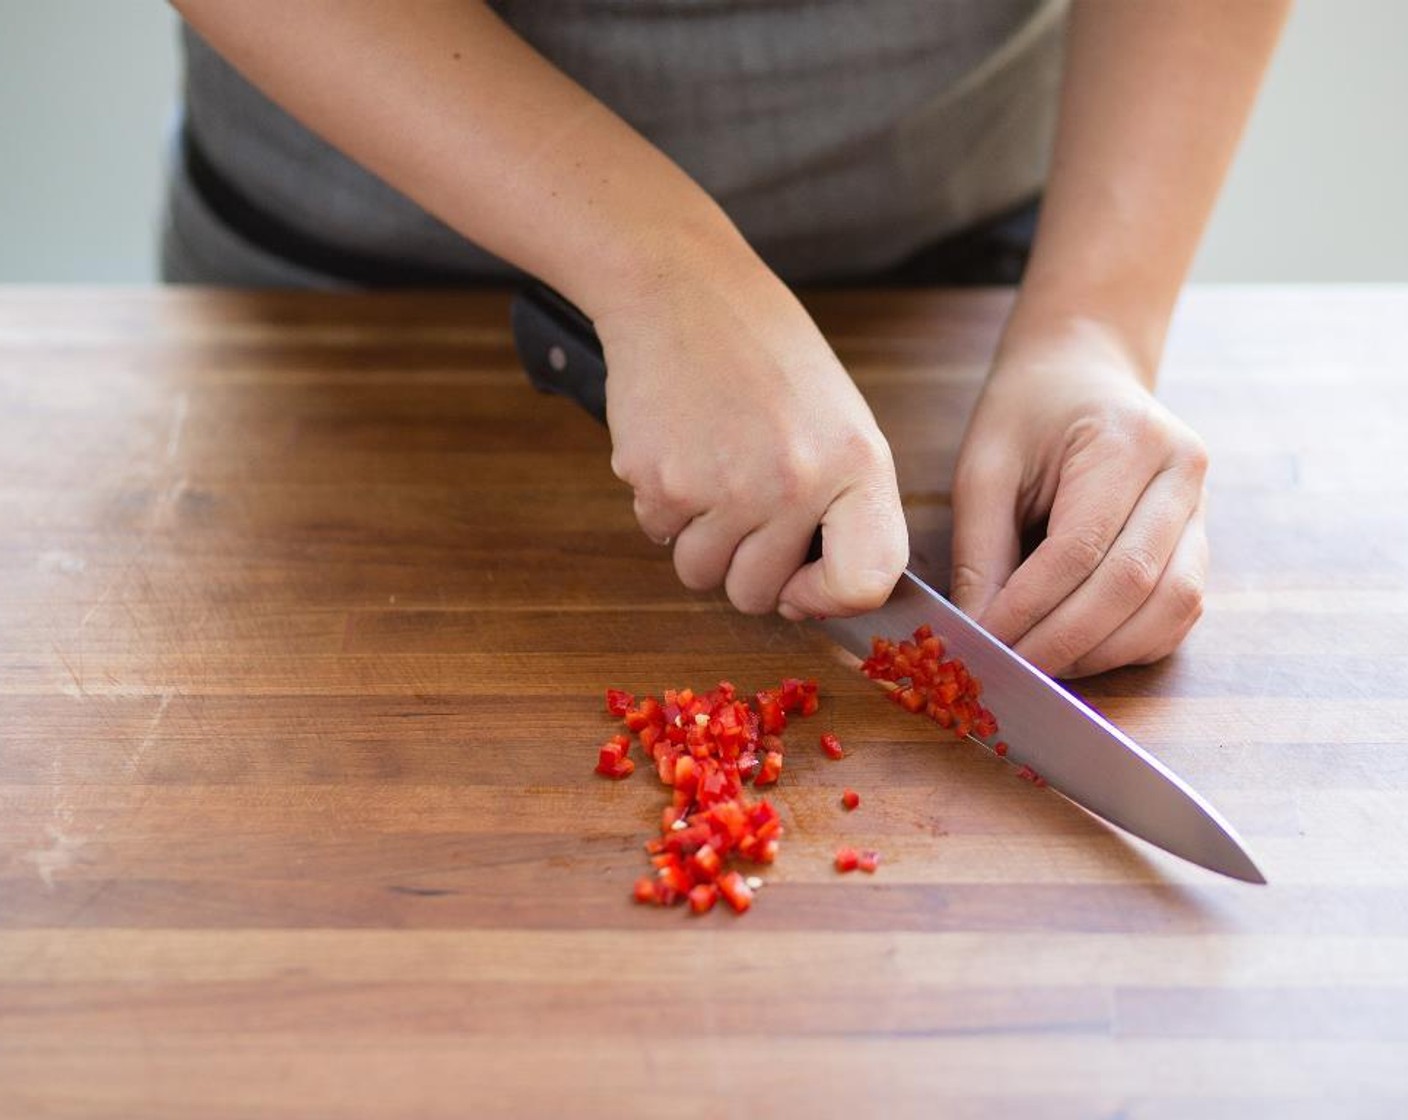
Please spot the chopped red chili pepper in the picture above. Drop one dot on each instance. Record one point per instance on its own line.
(868, 862)
(1000, 749)
(611, 759)
(831, 746)
(736, 892)
(771, 769)
(850, 799)
(943, 689)
(1030, 775)
(706, 748)
(705, 864)
(702, 897)
(618, 703)
(847, 859)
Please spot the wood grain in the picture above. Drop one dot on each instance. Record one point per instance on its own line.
(306, 607)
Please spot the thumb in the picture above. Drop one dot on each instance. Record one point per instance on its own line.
(865, 546)
(987, 543)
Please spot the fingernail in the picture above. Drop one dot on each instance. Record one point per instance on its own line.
(789, 612)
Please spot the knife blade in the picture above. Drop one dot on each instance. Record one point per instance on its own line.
(1081, 755)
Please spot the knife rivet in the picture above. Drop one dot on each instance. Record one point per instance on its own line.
(557, 358)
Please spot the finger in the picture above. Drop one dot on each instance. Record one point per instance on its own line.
(1124, 579)
(704, 548)
(865, 546)
(987, 545)
(661, 521)
(765, 560)
(1098, 489)
(1165, 619)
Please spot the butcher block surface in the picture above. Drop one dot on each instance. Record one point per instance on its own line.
(307, 607)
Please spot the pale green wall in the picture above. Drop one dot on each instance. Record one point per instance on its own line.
(87, 87)
(86, 94)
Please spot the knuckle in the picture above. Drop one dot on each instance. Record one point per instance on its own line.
(1195, 454)
(1080, 551)
(795, 475)
(1185, 591)
(867, 451)
(670, 486)
(623, 465)
(1140, 423)
(1136, 572)
(1066, 647)
(965, 578)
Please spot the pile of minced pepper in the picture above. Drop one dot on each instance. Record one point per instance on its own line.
(708, 747)
(925, 682)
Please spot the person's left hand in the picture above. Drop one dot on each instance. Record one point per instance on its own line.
(1065, 430)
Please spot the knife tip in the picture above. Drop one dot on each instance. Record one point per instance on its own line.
(1243, 867)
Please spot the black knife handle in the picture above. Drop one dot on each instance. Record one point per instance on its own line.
(561, 354)
(559, 349)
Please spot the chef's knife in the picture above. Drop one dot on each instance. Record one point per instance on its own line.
(1077, 751)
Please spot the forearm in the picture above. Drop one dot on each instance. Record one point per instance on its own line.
(1154, 100)
(448, 105)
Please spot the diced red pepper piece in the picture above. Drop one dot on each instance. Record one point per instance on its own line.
(832, 746)
(771, 714)
(850, 799)
(847, 859)
(911, 699)
(618, 703)
(704, 864)
(868, 862)
(770, 770)
(665, 895)
(644, 889)
(675, 878)
(686, 776)
(1000, 749)
(736, 892)
(702, 897)
(612, 761)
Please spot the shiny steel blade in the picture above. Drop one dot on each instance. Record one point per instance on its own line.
(1079, 753)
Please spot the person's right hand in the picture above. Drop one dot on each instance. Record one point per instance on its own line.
(740, 433)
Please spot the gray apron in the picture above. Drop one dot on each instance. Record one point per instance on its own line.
(841, 137)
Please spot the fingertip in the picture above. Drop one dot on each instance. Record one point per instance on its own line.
(871, 588)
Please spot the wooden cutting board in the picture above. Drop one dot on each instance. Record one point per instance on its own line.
(308, 604)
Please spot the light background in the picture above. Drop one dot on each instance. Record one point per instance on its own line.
(87, 89)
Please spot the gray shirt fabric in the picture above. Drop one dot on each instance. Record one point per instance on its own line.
(840, 136)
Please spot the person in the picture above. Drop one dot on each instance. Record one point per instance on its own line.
(672, 166)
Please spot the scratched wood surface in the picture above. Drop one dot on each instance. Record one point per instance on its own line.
(306, 608)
